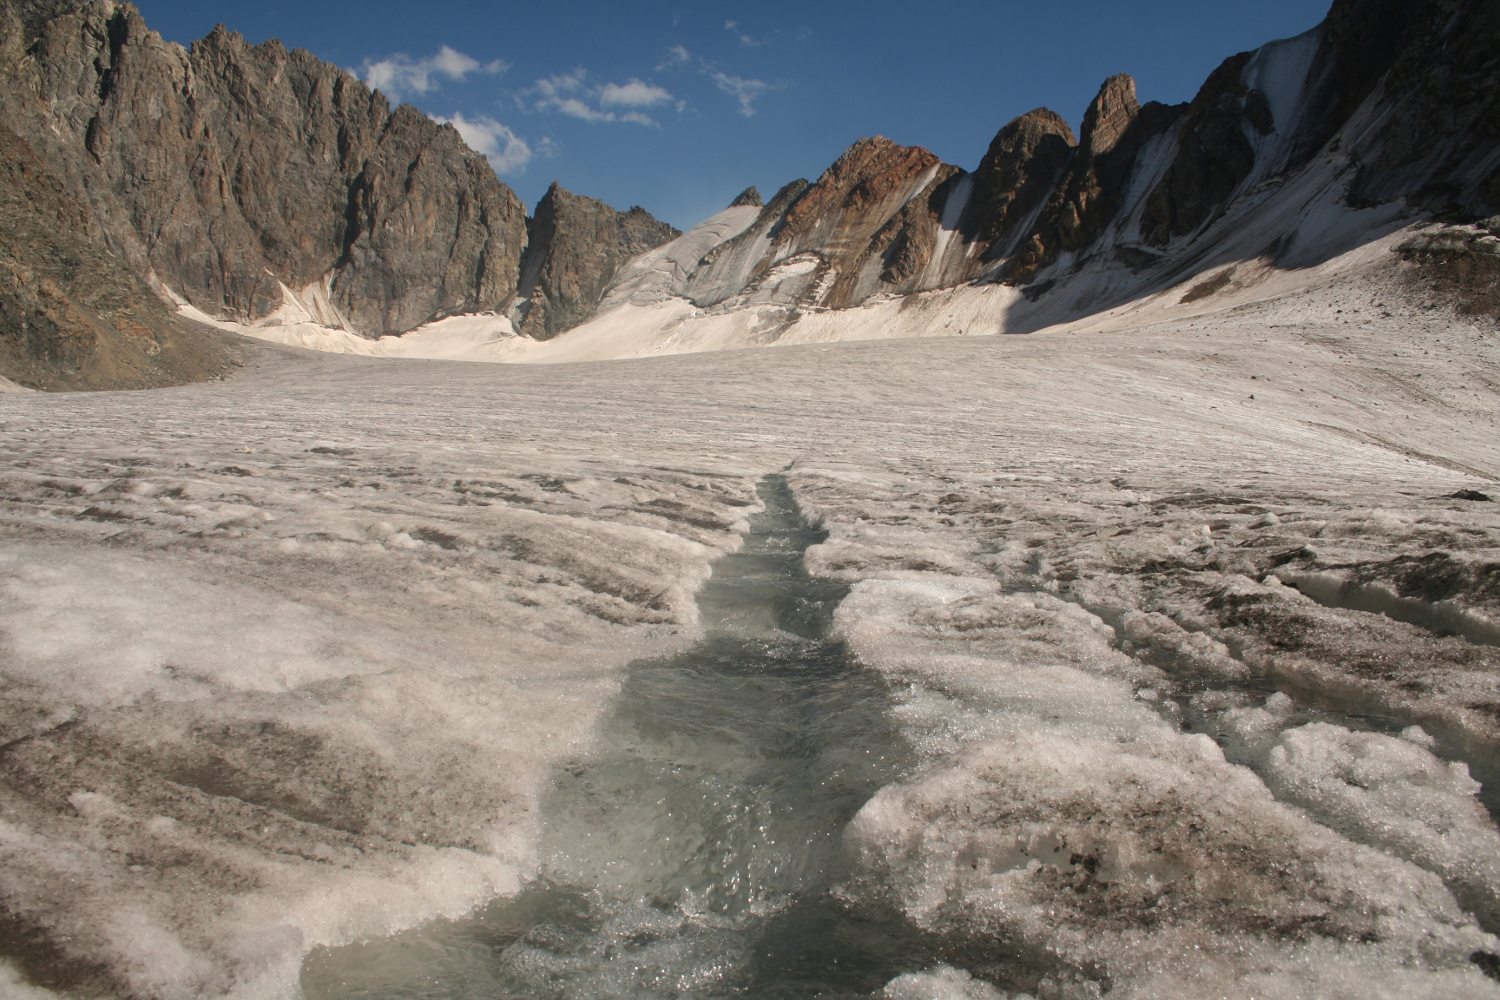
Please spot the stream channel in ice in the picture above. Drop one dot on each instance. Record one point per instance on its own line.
(696, 852)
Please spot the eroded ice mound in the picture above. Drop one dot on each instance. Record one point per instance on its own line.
(1067, 821)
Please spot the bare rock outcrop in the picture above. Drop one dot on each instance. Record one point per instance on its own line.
(230, 170)
(1439, 144)
(235, 174)
(1019, 171)
(1090, 190)
(1214, 154)
(748, 198)
(72, 314)
(576, 246)
(865, 225)
(737, 263)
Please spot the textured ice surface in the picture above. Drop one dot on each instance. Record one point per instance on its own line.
(1070, 820)
(290, 659)
(1390, 791)
(943, 983)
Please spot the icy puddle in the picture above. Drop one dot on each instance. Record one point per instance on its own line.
(695, 853)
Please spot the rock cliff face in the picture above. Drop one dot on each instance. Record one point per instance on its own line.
(73, 315)
(576, 246)
(1437, 139)
(868, 224)
(1020, 170)
(1090, 190)
(1214, 155)
(233, 170)
(230, 174)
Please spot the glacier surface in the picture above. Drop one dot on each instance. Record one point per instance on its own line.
(297, 659)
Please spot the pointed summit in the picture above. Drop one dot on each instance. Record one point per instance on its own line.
(574, 246)
(750, 197)
(1110, 114)
(1022, 166)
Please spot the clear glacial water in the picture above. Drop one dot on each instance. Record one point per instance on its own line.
(695, 853)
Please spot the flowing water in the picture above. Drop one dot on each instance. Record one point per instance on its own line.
(695, 853)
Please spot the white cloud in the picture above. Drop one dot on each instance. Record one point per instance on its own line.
(507, 152)
(742, 89)
(633, 94)
(563, 83)
(399, 75)
(574, 95)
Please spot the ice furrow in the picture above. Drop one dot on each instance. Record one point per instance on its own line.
(696, 848)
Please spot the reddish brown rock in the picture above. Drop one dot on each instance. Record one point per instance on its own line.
(1090, 189)
(856, 195)
(1110, 115)
(1019, 171)
(869, 221)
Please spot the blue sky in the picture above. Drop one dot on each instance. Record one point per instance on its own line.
(678, 106)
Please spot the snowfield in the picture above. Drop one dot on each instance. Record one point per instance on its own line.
(1188, 615)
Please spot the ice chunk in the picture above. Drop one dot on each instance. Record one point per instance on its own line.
(1191, 653)
(1064, 815)
(1394, 794)
(1249, 732)
(943, 983)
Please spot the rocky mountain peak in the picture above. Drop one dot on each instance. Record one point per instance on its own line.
(247, 178)
(1025, 133)
(1215, 153)
(240, 174)
(574, 248)
(865, 180)
(221, 36)
(1018, 172)
(750, 197)
(1110, 114)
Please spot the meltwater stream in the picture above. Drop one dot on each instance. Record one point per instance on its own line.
(694, 854)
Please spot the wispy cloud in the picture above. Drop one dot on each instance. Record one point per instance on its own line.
(677, 55)
(733, 27)
(745, 90)
(507, 152)
(742, 89)
(400, 76)
(576, 95)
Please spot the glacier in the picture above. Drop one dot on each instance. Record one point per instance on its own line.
(315, 656)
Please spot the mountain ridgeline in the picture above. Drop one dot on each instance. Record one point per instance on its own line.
(245, 180)
(1385, 104)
